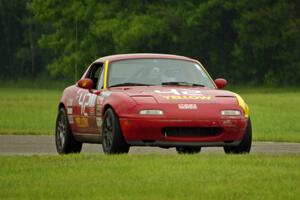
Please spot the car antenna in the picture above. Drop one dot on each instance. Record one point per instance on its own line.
(76, 49)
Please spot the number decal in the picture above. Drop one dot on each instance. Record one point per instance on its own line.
(83, 103)
(85, 100)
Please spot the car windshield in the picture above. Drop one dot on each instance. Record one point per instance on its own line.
(157, 72)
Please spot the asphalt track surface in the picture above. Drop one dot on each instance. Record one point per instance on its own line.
(43, 145)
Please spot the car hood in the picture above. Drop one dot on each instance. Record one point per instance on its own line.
(178, 94)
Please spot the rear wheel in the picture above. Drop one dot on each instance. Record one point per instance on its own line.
(188, 150)
(113, 141)
(64, 139)
(245, 145)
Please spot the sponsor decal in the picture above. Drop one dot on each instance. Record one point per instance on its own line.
(82, 122)
(70, 118)
(105, 93)
(92, 100)
(92, 111)
(187, 106)
(69, 102)
(174, 97)
(79, 91)
(99, 103)
(99, 100)
(69, 110)
(99, 121)
(98, 110)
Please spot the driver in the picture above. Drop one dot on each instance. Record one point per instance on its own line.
(169, 75)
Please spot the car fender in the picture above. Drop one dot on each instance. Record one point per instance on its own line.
(119, 102)
(67, 97)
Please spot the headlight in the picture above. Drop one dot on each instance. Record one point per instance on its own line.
(151, 112)
(230, 112)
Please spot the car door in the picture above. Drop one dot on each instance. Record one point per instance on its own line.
(85, 108)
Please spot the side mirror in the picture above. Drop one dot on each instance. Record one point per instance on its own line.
(221, 83)
(86, 83)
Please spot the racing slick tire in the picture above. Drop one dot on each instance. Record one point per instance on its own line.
(245, 144)
(113, 141)
(188, 150)
(64, 139)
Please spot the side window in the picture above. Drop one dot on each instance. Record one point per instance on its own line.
(94, 73)
(100, 82)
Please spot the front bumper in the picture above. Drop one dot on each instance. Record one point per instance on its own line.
(150, 131)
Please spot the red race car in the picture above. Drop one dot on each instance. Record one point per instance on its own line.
(151, 100)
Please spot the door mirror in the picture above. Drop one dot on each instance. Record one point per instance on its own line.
(220, 83)
(86, 83)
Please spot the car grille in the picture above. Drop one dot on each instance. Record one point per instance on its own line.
(191, 131)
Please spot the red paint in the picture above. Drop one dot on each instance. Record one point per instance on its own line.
(220, 83)
(85, 83)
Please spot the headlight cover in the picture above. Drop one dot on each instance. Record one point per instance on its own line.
(151, 112)
(230, 112)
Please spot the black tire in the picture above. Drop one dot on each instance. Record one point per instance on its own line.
(245, 144)
(64, 139)
(188, 150)
(113, 141)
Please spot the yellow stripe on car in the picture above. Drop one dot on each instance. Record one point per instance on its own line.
(243, 105)
(105, 74)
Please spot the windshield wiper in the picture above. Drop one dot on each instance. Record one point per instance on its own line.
(182, 84)
(129, 84)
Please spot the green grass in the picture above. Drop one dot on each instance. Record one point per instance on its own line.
(40, 82)
(150, 177)
(274, 112)
(28, 111)
(275, 116)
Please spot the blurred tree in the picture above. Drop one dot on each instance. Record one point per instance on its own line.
(212, 35)
(19, 52)
(267, 49)
(11, 37)
(249, 42)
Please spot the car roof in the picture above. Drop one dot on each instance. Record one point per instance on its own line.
(142, 56)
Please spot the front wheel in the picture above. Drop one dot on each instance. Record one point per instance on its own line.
(113, 141)
(188, 150)
(64, 139)
(245, 144)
